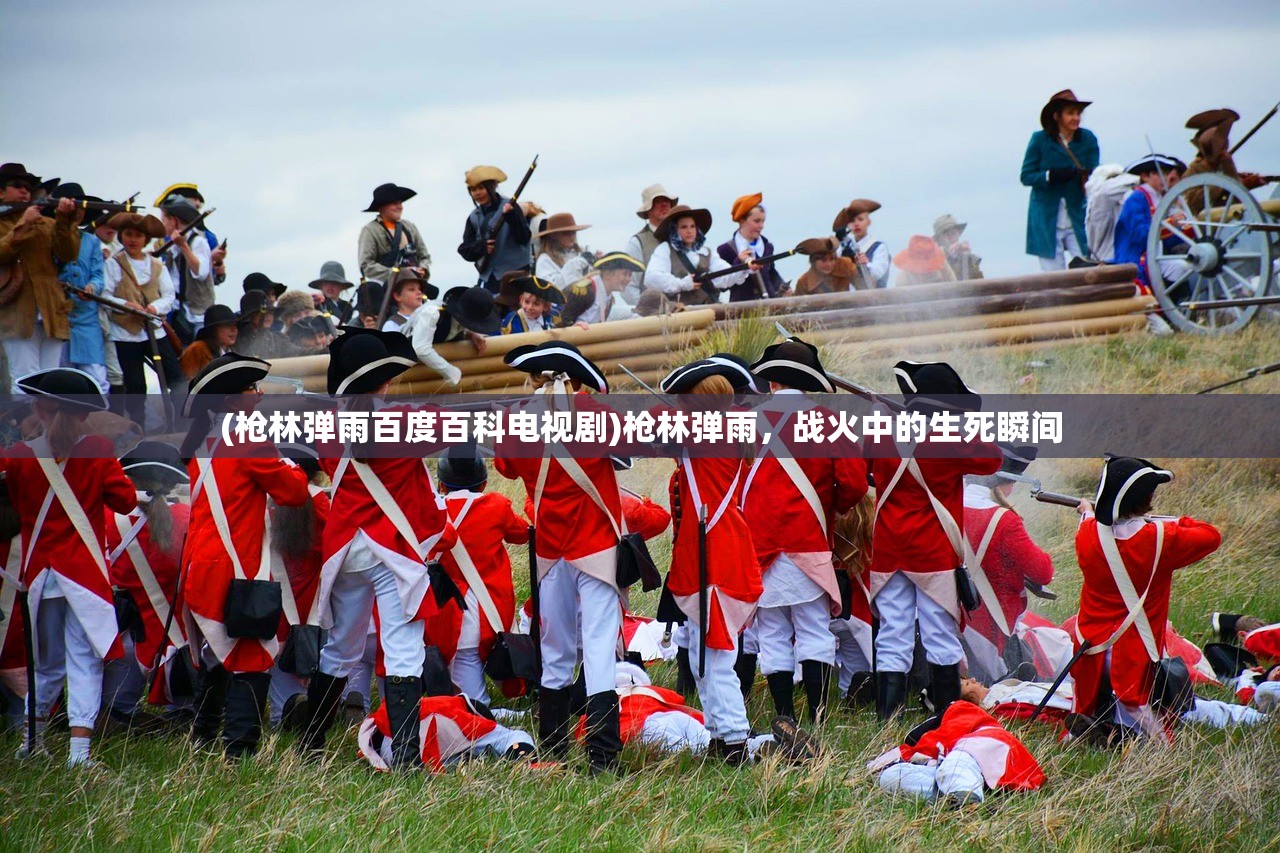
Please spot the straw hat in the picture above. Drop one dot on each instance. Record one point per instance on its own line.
(649, 194)
(922, 255)
(477, 176)
(558, 223)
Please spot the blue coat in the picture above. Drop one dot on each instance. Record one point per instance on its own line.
(1043, 154)
(87, 344)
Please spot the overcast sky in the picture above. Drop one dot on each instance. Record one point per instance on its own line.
(287, 115)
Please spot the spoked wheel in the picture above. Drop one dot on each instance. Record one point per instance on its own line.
(1212, 255)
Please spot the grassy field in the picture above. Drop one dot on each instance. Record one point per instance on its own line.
(1212, 790)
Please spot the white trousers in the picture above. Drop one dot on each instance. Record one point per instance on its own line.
(27, 355)
(1220, 715)
(750, 638)
(1064, 241)
(674, 731)
(795, 632)
(563, 593)
(284, 686)
(403, 649)
(853, 645)
(720, 693)
(467, 673)
(901, 605)
(65, 653)
(496, 742)
(957, 775)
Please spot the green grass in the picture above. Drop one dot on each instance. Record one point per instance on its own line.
(1212, 790)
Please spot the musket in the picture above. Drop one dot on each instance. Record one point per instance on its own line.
(745, 265)
(93, 224)
(1213, 304)
(385, 308)
(149, 322)
(1037, 490)
(168, 623)
(702, 591)
(482, 265)
(1085, 645)
(852, 387)
(195, 223)
(1248, 374)
(79, 203)
(1266, 118)
(645, 385)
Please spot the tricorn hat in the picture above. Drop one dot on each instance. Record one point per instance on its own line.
(850, 211)
(934, 385)
(472, 309)
(259, 281)
(331, 272)
(155, 460)
(1212, 118)
(180, 209)
(309, 327)
(743, 205)
(617, 261)
(513, 285)
(385, 194)
(144, 222)
(363, 360)
(700, 215)
(462, 467)
(71, 387)
(816, 247)
(1224, 625)
(1125, 482)
(215, 316)
(553, 357)
(684, 379)
(795, 364)
(479, 174)
(558, 223)
(226, 375)
(1017, 457)
(922, 255)
(70, 190)
(190, 191)
(946, 222)
(1065, 98)
(649, 194)
(1155, 163)
(1228, 660)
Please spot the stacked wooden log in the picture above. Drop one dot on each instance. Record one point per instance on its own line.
(927, 318)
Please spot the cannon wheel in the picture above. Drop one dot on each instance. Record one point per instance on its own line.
(1216, 255)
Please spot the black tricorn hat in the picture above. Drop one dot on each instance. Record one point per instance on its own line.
(557, 357)
(253, 302)
(363, 360)
(795, 364)
(224, 376)
(514, 284)
(1017, 457)
(1224, 625)
(259, 281)
(472, 309)
(934, 385)
(462, 467)
(73, 388)
(685, 378)
(1228, 660)
(155, 460)
(388, 194)
(1125, 482)
(302, 454)
(740, 375)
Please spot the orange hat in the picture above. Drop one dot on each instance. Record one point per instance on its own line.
(743, 205)
(921, 255)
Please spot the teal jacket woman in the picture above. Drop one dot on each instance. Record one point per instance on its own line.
(1056, 176)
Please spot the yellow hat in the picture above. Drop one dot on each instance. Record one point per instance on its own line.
(191, 191)
(480, 174)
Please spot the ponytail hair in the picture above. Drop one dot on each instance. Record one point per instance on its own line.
(156, 509)
(63, 432)
(293, 529)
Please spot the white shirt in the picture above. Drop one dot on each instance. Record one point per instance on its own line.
(202, 270)
(660, 272)
(421, 330)
(163, 304)
(574, 270)
(878, 259)
(607, 306)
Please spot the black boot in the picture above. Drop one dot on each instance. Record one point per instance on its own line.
(604, 740)
(861, 692)
(734, 754)
(783, 689)
(891, 693)
(404, 701)
(816, 676)
(324, 694)
(246, 703)
(553, 722)
(945, 685)
(211, 698)
(745, 667)
(685, 685)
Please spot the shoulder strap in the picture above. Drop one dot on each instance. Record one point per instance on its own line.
(127, 535)
(796, 474)
(1137, 616)
(146, 575)
(582, 481)
(387, 504)
(75, 513)
(697, 497)
(985, 591)
(219, 513)
(472, 575)
(949, 524)
(882, 495)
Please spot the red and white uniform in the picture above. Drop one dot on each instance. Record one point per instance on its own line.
(99, 484)
(303, 571)
(643, 516)
(244, 479)
(450, 728)
(1264, 642)
(150, 576)
(1103, 608)
(13, 653)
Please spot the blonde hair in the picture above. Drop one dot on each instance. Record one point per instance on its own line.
(853, 536)
(63, 432)
(159, 516)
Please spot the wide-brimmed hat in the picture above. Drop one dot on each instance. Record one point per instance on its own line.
(70, 190)
(369, 297)
(618, 261)
(851, 210)
(1015, 458)
(946, 222)
(462, 467)
(260, 282)
(479, 174)
(557, 357)
(1125, 481)
(224, 376)
(1065, 98)
(816, 247)
(700, 215)
(181, 209)
(743, 205)
(515, 283)
(795, 364)
(1212, 118)
(363, 360)
(1155, 163)
(472, 309)
(922, 255)
(558, 223)
(252, 303)
(649, 194)
(385, 194)
(144, 222)
(17, 172)
(215, 316)
(155, 460)
(70, 387)
(407, 274)
(934, 385)
(331, 272)
(190, 191)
